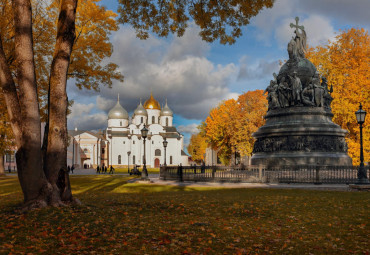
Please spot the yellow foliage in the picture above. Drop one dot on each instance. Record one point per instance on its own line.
(197, 147)
(94, 25)
(230, 126)
(346, 64)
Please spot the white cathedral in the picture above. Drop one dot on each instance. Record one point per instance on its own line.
(121, 144)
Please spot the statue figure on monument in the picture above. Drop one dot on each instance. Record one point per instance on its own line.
(297, 45)
(296, 88)
(308, 95)
(327, 97)
(272, 84)
(319, 90)
(272, 97)
(284, 93)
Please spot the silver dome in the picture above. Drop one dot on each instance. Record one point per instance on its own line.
(166, 111)
(118, 112)
(140, 110)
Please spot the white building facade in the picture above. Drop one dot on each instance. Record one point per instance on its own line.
(122, 143)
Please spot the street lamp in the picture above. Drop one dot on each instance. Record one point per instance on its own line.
(361, 174)
(165, 146)
(128, 161)
(144, 173)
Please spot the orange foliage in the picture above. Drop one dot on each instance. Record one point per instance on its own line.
(346, 64)
(229, 126)
(197, 147)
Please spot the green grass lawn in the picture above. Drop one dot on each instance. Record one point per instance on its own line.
(122, 218)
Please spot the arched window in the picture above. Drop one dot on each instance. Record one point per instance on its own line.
(120, 123)
(157, 152)
(171, 160)
(153, 119)
(142, 120)
(133, 160)
(166, 122)
(158, 119)
(119, 159)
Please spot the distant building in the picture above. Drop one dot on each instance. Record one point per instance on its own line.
(122, 144)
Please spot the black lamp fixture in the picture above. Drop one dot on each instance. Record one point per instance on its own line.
(144, 173)
(361, 173)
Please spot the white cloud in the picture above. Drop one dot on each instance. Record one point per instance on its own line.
(258, 69)
(192, 83)
(83, 118)
(318, 28)
(315, 15)
(267, 20)
(354, 11)
(184, 46)
(191, 128)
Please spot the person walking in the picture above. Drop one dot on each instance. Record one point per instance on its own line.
(111, 169)
(72, 168)
(98, 169)
(69, 169)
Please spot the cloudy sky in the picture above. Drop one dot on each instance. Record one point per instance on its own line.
(195, 76)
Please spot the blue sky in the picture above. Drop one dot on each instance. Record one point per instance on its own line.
(195, 76)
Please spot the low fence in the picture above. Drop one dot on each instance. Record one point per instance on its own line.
(261, 174)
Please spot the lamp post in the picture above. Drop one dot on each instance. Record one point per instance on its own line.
(144, 173)
(128, 161)
(165, 146)
(361, 174)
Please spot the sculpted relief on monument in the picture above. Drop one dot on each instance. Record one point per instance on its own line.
(300, 143)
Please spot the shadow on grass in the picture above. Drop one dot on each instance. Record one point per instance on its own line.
(119, 184)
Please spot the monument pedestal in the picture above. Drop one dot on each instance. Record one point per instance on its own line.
(300, 136)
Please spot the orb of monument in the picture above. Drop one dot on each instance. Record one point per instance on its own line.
(304, 68)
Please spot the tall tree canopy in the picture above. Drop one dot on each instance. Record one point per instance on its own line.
(229, 126)
(218, 20)
(346, 64)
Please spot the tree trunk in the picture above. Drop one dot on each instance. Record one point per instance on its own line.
(2, 170)
(57, 135)
(31, 176)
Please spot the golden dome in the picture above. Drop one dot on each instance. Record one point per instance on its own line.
(151, 103)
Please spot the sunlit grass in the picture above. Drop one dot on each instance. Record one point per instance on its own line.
(127, 218)
(124, 170)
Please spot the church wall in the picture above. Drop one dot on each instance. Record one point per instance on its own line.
(137, 119)
(163, 121)
(117, 122)
(153, 112)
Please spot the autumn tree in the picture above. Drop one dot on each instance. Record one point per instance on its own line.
(346, 64)
(35, 63)
(217, 20)
(197, 147)
(229, 126)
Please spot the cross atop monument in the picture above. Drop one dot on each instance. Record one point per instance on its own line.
(296, 25)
